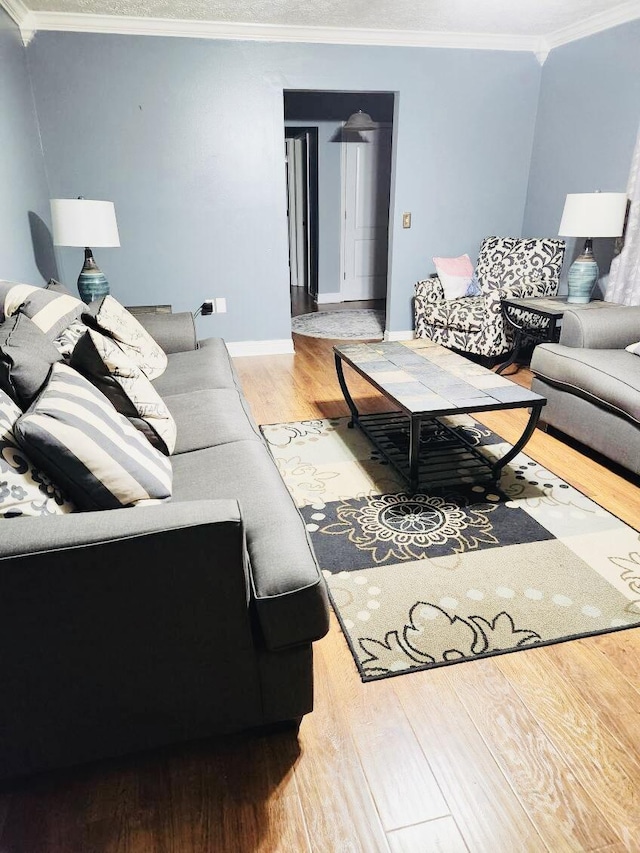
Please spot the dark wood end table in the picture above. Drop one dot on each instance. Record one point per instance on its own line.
(546, 312)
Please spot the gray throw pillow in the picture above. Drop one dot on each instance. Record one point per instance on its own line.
(58, 287)
(26, 356)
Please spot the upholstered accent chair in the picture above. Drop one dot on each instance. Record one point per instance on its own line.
(506, 267)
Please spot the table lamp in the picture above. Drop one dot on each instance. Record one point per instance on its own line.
(85, 222)
(596, 215)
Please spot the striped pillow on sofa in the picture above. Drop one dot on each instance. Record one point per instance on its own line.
(51, 312)
(93, 453)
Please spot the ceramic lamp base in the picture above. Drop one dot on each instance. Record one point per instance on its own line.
(583, 275)
(92, 283)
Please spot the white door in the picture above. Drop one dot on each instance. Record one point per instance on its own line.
(297, 210)
(366, 179)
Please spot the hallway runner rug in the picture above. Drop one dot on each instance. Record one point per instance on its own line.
(352, 324)
(425, 580)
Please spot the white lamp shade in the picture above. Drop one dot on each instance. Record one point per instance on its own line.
(593, 215)
(84, 222)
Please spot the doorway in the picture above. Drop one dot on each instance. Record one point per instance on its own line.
(348, 205)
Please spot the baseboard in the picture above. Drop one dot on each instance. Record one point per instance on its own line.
(399, 336)
(326, 298)
(282, 346)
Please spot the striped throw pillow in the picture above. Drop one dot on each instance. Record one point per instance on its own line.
(100, 460)
(101, 360)
(51, 312)
(112, 319)
(24, 490)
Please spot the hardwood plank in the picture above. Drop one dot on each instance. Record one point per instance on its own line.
(436, 836)
(602, 765)
(336, 801)
(399, 777)
(622, 651)
(564, 815)
(487, 812)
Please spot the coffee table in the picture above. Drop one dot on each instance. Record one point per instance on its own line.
(426, 382)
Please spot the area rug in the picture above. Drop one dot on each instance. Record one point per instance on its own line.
(424, 580)
(353, 324)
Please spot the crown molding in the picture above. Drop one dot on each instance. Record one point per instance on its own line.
(23, 17)
(31, 22)
(72, 22)
(622, 14)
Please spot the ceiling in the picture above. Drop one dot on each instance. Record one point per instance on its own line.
(528, 24)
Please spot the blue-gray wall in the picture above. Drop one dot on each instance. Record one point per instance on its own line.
(588, 118)
(185, 136)
(25, 246)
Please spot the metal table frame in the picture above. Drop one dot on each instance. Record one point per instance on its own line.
(453, 449)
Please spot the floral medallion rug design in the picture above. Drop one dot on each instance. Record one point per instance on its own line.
(424, 580)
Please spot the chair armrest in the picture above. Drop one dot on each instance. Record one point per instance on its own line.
(606, 328)
(430, 289)
(173, 332)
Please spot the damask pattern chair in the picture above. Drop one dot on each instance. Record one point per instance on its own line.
(507, 267)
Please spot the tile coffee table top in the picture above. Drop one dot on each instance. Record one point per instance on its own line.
(425, 378)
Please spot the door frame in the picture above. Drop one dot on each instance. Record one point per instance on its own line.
(311, 237)
(343, 203)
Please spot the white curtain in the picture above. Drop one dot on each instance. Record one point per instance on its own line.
(624, 278)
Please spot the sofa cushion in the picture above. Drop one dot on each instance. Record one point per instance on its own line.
(106, 315)
(100, 460)
(110, 369)
(207, 367)
(609, 378)
(209, 418)
(50, 311)
(289, 591)
(24, 489)
(26, 356)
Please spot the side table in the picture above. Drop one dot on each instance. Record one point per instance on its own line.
(535, 320)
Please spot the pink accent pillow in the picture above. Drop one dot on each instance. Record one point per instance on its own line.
(455, 275)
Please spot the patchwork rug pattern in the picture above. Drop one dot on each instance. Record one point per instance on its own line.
(424, 580)
(353, 324)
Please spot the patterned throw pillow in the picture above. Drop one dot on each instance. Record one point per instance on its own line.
(66, 341)
(51, 312)
(100, 460)
(111, 370)
(24, 490)
(455, 275)
(26, 356)
(112, 319)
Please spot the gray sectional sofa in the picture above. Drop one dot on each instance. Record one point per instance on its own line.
(126, 629)
(592, 383)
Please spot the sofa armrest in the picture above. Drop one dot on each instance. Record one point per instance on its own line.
(173, 332)
(27, 537)
(606, 328)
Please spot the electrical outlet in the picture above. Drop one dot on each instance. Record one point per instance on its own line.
(208, 307)
(406, 220)
(221, 305)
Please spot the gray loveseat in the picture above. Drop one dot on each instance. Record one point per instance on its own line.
(130, 628)
(592, 383)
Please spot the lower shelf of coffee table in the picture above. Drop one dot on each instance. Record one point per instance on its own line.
(447, 457)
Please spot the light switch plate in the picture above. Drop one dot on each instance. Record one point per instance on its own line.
(221, 305)
(406, 220)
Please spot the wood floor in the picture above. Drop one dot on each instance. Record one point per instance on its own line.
(537, 750)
